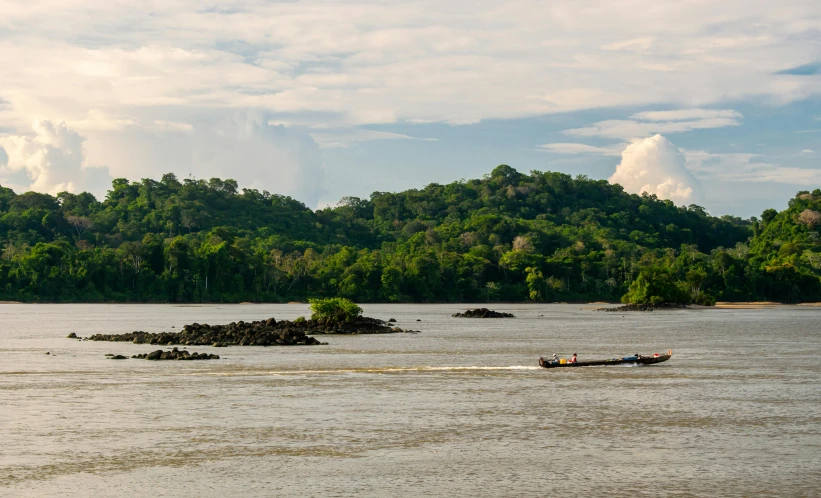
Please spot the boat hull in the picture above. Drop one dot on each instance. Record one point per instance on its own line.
(644, 360)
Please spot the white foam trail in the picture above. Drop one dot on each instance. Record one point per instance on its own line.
(375, 370)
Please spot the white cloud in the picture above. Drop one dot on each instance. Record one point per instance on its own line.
(666, 122)
(633, 44)
(656, 166)
(808, 151)
(687, 115)
(241, 145)
(577, 148)
(51, 160)
(641, 125)
(238, 145)
(773, 173)
(745, 168)
(345, 137)
(392, 60)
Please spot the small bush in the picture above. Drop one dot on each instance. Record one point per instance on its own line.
(299, 320)
(705, 299)
(337, 309)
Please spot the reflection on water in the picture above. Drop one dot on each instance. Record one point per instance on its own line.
(460, 409)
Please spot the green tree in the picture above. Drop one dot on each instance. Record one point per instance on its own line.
(335, 309)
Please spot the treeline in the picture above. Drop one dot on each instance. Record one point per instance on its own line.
(507, 237)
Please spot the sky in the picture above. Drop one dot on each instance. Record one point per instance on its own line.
(715, 103)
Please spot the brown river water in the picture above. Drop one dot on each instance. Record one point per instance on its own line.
(460, 409)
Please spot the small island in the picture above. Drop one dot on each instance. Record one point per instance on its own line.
(330, 316)
(483, 313)
(656, 289)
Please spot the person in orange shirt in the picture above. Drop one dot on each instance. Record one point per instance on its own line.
(573, 360)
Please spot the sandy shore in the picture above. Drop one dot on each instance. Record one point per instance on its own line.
(741, 305)
(758, 305)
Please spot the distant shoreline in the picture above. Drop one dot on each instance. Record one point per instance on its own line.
(718, 305)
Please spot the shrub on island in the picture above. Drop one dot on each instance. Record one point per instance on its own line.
(334, 309)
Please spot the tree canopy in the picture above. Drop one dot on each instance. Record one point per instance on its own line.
(509, 236)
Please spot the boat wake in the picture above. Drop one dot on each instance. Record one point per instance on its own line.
(420, 369)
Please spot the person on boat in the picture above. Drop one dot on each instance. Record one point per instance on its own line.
(573, 360)
(555, 357)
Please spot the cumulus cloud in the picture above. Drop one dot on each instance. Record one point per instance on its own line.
(227, 144)
(656, 166)
(258, 155)
(50, 160)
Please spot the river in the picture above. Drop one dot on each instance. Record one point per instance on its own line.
(460, 409)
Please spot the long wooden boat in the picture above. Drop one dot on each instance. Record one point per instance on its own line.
(637, 360)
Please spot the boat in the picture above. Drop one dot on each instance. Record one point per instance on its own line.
(627, 360)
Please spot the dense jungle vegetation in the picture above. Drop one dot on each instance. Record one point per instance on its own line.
(507, 237)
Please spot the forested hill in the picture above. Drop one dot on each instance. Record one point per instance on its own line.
(507, 237)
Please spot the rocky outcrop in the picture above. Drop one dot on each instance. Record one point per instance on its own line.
(268, 332)
(175, 354)
(646, 307)
(362, 325)
(483, 313)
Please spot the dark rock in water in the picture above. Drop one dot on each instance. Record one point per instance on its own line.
(175, 354)
(48, 352)
(483, 313)
(418, 320)
(116, 357)
(646, 307)
(392, 320)
(72, 335)
(261, 333)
